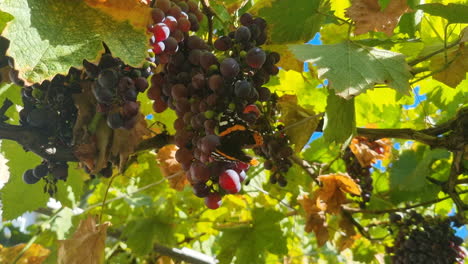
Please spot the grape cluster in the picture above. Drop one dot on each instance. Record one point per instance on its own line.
(425, 240)
(48, 109)
(276, 149)
(115, 87)
(361, 175)
(202, 85)
(172, 20)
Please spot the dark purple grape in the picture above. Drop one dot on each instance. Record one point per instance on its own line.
(114, 120)
(179, 91)
(242, 34)
(194, 56)
(157, 15)
(223, 43)
(171, 45)
(41, 170)
(198, 81)
(261, 23)
(108, 79)
(184, 156)
(29, 178)
(242, 89)
(102, 95)
(216, 83)
(194, 23)
(141, 84)
(229, 68)
(255, 57)
(201, 189)
(195, 42)
(164, 5)
(130, 108)
(264, 94)
(207, 59)
(199, 172)
(209, 143)
(246, 19)
(60, 171)
(131, 94)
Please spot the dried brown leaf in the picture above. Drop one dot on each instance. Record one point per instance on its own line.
(315, 220)
(170, 166)
(125, 141)
(35, 254)
(367, 152)
(347, 239)
(86, 246)
(368, 16)
(331, 195)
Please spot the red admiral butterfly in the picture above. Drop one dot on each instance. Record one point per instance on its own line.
(234, 136)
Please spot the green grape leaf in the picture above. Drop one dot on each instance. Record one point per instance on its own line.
(17, 196)
(292, 14)
(408, 174)
(4, 19)
(48, 37)
(249, 244)
(69, 192)
(340, 121)
(143, 233)
(454, 13)
(351, 68)
(63, 223)
(11, 92)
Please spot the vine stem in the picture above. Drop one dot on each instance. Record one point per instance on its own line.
(132, 193)
(209, 13)
(428, 56)
(394, 210)
(105, 197)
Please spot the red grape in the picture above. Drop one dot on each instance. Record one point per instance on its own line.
(230, 181)
(213, 201)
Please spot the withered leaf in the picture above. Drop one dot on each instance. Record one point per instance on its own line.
(125, 141)
(331, 195)
(315, 220)
(347, 239)
(170, 166)
(368, 16)
(368, 152)
(86, 246)
(35, 254)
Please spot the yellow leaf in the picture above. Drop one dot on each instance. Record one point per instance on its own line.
(368, 16)
(293, 116)
(315, 220)
(455, 72)
(331, 195)
(138, 13)
(86, 246)
(287, 61)
(35, 254)
(169, 166)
